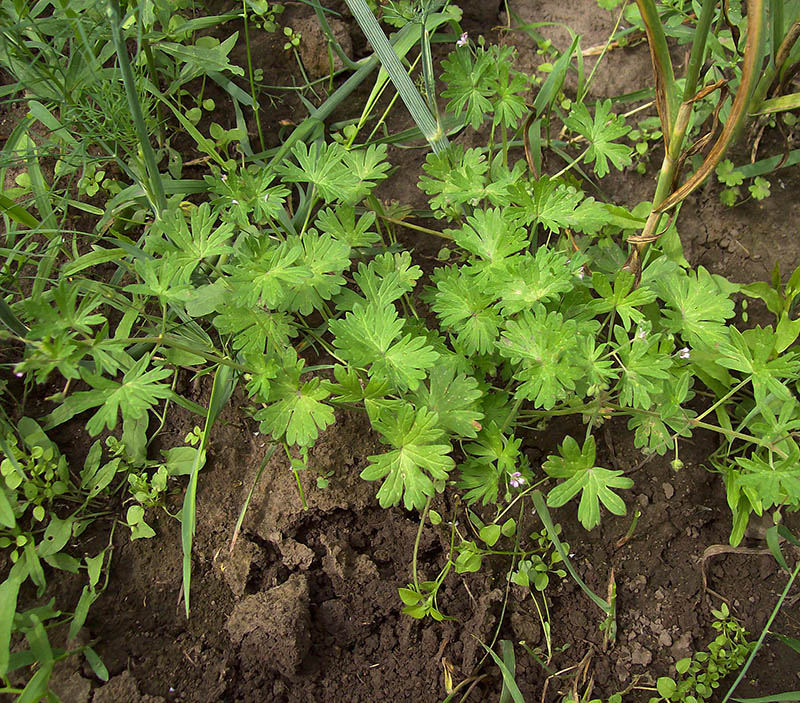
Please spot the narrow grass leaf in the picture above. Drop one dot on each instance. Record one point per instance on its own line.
(18, 213)
(224, 384)
(420, 112)
(38, 685)
(243, 511)
(510, 660)
(544, 515)
(790, 642)
(779, 104)
(10, 320)
(154, 185)
(49, 120)
(9, 590)
(7, 518)
(787, 697)
(509, 683)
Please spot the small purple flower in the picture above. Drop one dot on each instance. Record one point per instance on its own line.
(641, 334)
(517, 479)
(581, 272)
(462, 41)
(684, 353)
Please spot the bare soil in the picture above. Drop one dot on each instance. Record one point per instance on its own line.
(305, 607)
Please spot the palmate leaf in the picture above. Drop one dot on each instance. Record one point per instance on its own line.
(508, 102)
(541, 347)
(160, 278)
(454, 177)
(775, 483)
(341, 224)
(555, 205)
(385, 279)
(295, 410)
(464, 308)
(531, 279)
(415, 437)
(192, 243)
(453, 397)
(319, 271)
(71, 311)
(468, 84)
(752, 352)
(139, 390)
(491, 235)
(322, 165)
(621, 298)
(594, 483)
(367, 336)
(350, 388)
(263, 271)
(254, 330)
(696, 307)
(369, 167)
(644, 368)
(488, 458)
(601, 133)
(547, 202)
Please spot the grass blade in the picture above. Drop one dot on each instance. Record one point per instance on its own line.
(750, 73)
(760, 641)
(666, 94)
(18, 213)
(155, 188)
(243, 511)
(544, 515)
(420, 112)
(509, 683)
(224, 383)
(788, 697)
(10, 320)
(511, 664)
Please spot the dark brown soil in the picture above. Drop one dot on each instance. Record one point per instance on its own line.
(305, 607)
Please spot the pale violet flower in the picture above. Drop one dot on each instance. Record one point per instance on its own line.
(517, 479)
(462, 41)
(581, 272)
(684, 353)
(641, 334)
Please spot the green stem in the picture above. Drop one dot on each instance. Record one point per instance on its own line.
(666, 96)
(416, 543)
(764, 632)
(251, 77)
(547, 521)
